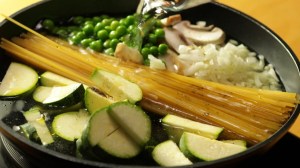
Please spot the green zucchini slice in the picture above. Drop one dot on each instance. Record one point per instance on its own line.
(18, 80)
(94, 100)
(175, 126)
(36, 119)
(116, 86)
(70, 125)
(115, 134)
(51, 79)
(196, 146)
(59, 96)
(168, 154)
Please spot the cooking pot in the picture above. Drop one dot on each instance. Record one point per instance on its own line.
(236, 24)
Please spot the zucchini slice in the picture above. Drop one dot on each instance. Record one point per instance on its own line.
(168, 154)
(94, 101)
(36, 119)
(175, 126)
(196, 146)
(59, 96)
(106, 132)
(236, 142)
(30, 132)
(51, 79)
(116, 86)
(70, 125)
(18, 80)
(133, 120)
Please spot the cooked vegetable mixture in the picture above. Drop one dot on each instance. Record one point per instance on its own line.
(196, 50)
(96, 107)
(105, 124)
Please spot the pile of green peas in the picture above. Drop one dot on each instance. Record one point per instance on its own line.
(103, 33)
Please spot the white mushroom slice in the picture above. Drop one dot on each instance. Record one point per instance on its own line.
(128, 54)
(175, 38)
(173, 63)
(200, 34)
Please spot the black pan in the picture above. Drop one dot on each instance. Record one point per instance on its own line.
(237, 26)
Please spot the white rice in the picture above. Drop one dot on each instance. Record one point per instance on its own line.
(231, 64)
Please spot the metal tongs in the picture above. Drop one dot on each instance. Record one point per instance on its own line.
(159, 8)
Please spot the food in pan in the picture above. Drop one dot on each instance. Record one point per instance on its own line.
(119, 92)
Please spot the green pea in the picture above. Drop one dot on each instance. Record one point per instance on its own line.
(148, 45)
(147, 62)
(98, 26)
(162, 48)
(122, 38)
(121, 30)
(48, 24)
(88, 29)
(102, 34)
(106, 22)
(86, 42)
(158, 23)
(160, 33)
(73, 33)
(80, 35)
(96, 19)
(55, 29)
(78, 20)
(108, 28)
(152, 38)
(106, 43)
(113, 35)
(122, 21)
(62, 32)
(114, 24)
(76, 39)
(96, 45)
(72, 28)
(109, 51)
(88, 22)
(129, 20)
(145, 52)
(130, 28)
(114, 43)
(154, 50)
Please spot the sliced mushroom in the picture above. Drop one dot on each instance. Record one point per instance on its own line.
(201, 34)
(128, 54)
(171, 20)
(173, 63)
(174, 38)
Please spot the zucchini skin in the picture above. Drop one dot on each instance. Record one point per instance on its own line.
(22, 96)
(76, 97)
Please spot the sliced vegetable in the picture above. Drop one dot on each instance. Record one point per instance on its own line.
(59, 96)
(70, 125)
(94, 100)
(36, 119)
(19, 79)
(168, 154)
(56, 111)
(51, 79)
(176, 125)
(135, 122)
(196, 146)
(30, 132)
(236, 142)
(116, 86)
(106, 132)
